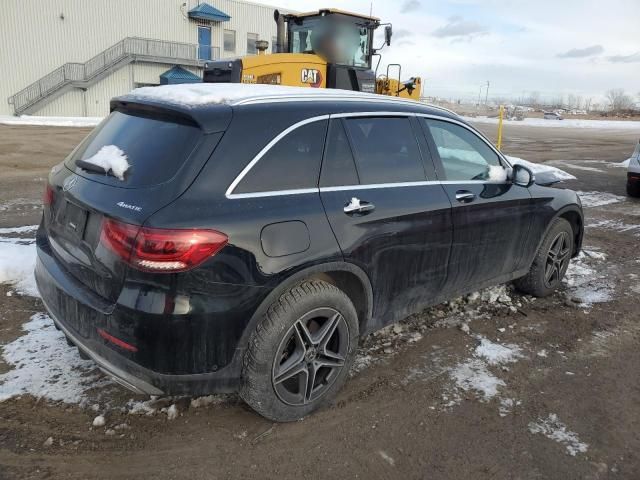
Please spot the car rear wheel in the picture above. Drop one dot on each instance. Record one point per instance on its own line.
(300, 353)
(551, 261)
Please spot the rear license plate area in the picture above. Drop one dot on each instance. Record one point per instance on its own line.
(73, 219)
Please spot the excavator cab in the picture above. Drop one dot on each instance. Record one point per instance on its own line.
(325, 49)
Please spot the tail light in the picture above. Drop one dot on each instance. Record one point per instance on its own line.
(161, 250)
(49, 195)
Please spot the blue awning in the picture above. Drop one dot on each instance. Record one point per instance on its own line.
(204, 11)
(178, 75)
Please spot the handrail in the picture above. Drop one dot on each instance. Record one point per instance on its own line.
(95, 66)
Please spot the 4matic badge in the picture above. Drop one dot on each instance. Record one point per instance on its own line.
(311, 76)
(128, 206)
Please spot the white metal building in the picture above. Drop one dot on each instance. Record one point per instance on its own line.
(69, 57)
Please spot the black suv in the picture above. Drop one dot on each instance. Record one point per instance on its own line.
(254, 239)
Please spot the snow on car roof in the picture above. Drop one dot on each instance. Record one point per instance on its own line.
(200, 94)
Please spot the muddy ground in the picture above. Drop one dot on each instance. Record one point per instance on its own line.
(560, 400)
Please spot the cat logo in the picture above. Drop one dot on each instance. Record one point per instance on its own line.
(311, 76)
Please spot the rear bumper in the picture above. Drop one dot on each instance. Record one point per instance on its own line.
(78, 312)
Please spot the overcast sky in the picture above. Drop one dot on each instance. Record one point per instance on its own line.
(554, 47)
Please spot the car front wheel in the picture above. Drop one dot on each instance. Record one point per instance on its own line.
(300, 353)
(551, 261)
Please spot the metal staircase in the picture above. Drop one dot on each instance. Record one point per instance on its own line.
(83, 75)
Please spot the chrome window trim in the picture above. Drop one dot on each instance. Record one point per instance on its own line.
(229, 193)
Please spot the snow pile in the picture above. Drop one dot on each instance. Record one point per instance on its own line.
(17, 262)
(44, 366)
(599, 199)
(197, 94)
(552, 428)
(51, 121)
(566, 123)
(543, 173)
(110, 158)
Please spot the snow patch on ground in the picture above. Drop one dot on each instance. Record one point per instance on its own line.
(51, 121)
(552, 428)
(110, 158)
(17, 261)
(44, 366)
(542, 171)
(586, 283)
(18, 230)
(599, 199)
(496, 354)
(624, 164)
(474, 375)
(566, 123)
(616, 225)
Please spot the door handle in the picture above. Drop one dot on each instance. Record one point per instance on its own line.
(358, 206)
(465, 196)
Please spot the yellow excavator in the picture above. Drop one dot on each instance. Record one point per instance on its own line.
(325, 49)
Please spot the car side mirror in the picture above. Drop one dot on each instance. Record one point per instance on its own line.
(388, 32)
(522, 176)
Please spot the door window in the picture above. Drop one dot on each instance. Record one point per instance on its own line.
(464, 155)
(386, 150)
(291, 164)
(338, 167)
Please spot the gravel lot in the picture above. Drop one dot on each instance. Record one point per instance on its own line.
(491, 386)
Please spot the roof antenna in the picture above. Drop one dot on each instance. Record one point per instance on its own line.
(371, 9)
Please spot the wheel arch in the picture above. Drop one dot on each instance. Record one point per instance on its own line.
(349, 278)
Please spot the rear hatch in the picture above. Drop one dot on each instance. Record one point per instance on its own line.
(165, 151)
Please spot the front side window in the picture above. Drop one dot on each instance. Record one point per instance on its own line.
(251, 43)
(230, 41)
(291, 164)
(464, 155)
(385, 149)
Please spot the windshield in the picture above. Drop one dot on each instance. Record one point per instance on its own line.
(339, 42)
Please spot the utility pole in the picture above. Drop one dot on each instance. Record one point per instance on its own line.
(486, 98)
(479, 95)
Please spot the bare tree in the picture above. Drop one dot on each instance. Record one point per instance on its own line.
(618, 99)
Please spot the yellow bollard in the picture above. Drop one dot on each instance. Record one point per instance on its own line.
(500, 127)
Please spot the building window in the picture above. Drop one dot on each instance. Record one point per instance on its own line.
(230, 41)
(251, 43)
(274, 44)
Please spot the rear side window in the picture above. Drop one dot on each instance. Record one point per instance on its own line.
(338, 167)
(291, 164)
(155, 149)
(385, 149)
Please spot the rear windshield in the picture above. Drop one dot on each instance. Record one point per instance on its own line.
(155, 149)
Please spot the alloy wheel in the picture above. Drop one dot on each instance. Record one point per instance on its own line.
(557, 259)
(310, 356)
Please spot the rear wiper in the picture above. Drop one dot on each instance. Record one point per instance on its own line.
(91, 167)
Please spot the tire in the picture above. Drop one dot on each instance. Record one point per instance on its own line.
(312, 329)
(551, 261)
(633, 190)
